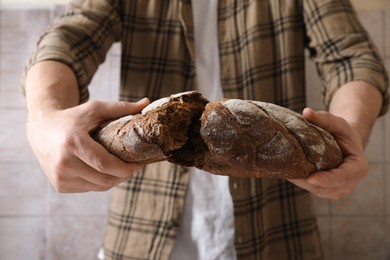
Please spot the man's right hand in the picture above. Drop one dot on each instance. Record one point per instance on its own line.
(70, 158)
(58, 129)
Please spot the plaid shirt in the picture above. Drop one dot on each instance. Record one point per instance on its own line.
(261, 45)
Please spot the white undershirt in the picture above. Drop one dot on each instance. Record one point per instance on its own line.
(207, 227)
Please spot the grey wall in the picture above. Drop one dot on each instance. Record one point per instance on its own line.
(38, 223)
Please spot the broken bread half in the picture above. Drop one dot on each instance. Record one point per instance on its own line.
(158, 132)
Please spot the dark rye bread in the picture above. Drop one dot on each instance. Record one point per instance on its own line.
(230, 137)
(264, 140)
(159, 130)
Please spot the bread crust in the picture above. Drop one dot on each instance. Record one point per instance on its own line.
(160, 129)
(257, 139)
(232, 137)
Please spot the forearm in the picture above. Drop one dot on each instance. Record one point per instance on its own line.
(359, 104)
(50, 85)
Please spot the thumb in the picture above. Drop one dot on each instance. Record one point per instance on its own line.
(336, 126)
(319, 118)
(310, 115)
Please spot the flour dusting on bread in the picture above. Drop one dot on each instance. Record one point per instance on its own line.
(233, 137)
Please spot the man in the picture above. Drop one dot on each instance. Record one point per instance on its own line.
(243, 49)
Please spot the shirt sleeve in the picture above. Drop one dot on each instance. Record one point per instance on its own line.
(342, 48)
(80, 39)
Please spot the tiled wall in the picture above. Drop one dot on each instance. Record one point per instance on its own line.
(358, 227)
(38, 223)
(35, 221)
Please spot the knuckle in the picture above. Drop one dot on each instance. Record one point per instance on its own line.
(101, 164)
(59, 175)
(92, 107)
(131, 169)
(108, 181)
(61, 189)
(60, 166)
(92, 104)
(59, 183)
(123, 105)
(69, 141)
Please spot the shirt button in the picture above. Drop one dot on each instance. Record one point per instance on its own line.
(235, 185)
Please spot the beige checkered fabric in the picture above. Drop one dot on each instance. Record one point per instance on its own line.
(261, 45)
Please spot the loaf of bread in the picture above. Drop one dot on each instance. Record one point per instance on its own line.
(154, 135)
(228, 137)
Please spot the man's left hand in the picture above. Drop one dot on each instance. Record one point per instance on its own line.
(335, 183)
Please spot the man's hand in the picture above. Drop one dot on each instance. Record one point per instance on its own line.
(343, 180)
(70, 158)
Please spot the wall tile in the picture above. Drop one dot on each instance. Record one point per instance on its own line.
(324, 228)
(358, 238)
(314, 93)
(11, 69)
(368, 198)
(114, 82)
(23, 238)
(58, 10)
(373, 21)
(92, 203)
(23, 189)
(76, 221)
(14, 146)
(387, 122)
(387, 137)
(387, 34)
(76, 237)
(16, 30)
(106, 82)
(99, 87)
(387, 230)
(375, 148)
(115, 49)
(322, 206)
(387, 198)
